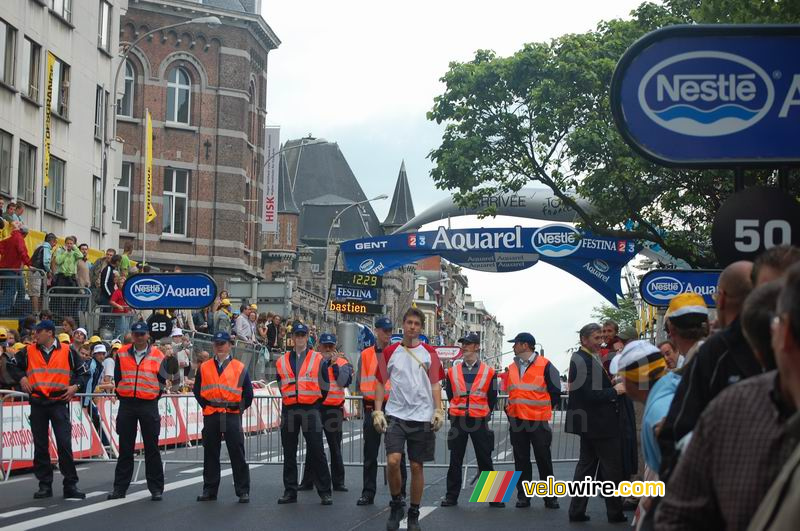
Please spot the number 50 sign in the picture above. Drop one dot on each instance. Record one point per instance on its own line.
(752, 221)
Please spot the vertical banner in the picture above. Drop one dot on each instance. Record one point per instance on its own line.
(151, 212)
(51, 60)
(269, 216)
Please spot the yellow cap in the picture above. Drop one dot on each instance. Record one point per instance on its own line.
(3, 333)
(63, 337)
(685, 304)
(225, 302)
(95, 339)
(18, 346)
(254, 306)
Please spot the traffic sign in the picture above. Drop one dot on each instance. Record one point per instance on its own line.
(152, 291)
(349, 278)
(711, 95)
(160, 326)
(752, 221)
(659, 286)
(355, 307)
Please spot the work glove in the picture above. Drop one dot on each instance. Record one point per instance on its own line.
(438, 420)
(379, 421)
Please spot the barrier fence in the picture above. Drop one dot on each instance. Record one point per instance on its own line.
(21, 292)
(94, 436)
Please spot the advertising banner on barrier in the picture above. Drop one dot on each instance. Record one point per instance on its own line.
(192, 415)
(173, 427)
(596, 260)
(85, 439)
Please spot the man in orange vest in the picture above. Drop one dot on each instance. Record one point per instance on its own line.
(51, 374)
(365, 382)
(534, 389)
(302, 386)
(471, 388)
(339, 375)
(223, 389)
(140, 376)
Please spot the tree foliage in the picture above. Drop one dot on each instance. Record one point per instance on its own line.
(543, 115)
(625, 316)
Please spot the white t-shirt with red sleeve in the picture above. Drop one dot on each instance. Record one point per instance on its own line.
(410, 397)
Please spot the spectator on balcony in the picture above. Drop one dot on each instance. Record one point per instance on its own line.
(125, 260)
(19, 211)
(13, 255)
(9, 211)
(67, 259)
(97, 271)
(108, 280)
(84, 268)
(37, 281)
(119, 307)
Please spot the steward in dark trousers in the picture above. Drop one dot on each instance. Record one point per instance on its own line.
(534, 388)
(339, 375)
(593, 414)
(365, 382)
(51, 374)
(140, 375)
(223, 389)
(471, 388)
(303, 389)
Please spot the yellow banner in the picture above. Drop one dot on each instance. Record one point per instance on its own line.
(151, 212)
(51, 60)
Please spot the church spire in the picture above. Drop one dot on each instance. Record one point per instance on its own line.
(402, 208)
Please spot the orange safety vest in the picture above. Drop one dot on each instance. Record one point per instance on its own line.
(368, 379)
(335, 395)
(470, 402)
(305, 388)
(49, 378)
(528, 397)
(139, 380)
(222, 391)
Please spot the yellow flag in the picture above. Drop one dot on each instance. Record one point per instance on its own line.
(51, 60)
(151, 212)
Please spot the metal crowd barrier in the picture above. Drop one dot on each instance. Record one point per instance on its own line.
(107, 324)
(94, 435)
(18, 288)
(69, 301)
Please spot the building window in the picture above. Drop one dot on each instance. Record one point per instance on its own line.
(31, 53)
(54, 193)
(60, 94)
(104, 28)
(122, 199)
(99, 112)
(179, 89)
(8, 40)
(62, 8)
(97, 204)
(176, 197)
(276, 238)
(289, 235)
(5, 162)
(125, 107)
(26, 182)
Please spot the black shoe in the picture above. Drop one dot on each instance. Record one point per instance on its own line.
(551, 504)
(326, 499)
(412, 524)
(157, 496)
(499, 505)
(365, 500)
(74, 494)
(448, 502)
(287, 498)
(305, 486)
(521, 504)
(115, 495)
(579, 518)
(207, 496)
(43, 492)
(617, 518)
(340, 488)
(396, 514)
(630, 505)
(244, 497)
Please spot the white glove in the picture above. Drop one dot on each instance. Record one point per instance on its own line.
(438, 420)
(379, 421)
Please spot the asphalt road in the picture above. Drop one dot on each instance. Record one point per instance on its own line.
(179, 510)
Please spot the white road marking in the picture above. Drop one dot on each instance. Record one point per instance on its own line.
(89, 495)
(423, 512)
(192, 470)
(26, 510)
(24, 478)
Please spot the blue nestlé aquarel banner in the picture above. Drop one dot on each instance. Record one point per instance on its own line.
(659, 286)
(150, 291)
(595, 260)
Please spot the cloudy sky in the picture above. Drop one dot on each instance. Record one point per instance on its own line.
(364, 73)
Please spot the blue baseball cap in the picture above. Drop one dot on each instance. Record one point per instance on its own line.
(327, 339)
(524, 337)
(221, 337)
(140, 327)
(46, 325)
(383, 323)
(300, 328)
(472, 337)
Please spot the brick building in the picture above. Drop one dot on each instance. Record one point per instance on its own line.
(205, 88)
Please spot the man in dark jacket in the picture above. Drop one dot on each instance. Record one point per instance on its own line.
(593, 414)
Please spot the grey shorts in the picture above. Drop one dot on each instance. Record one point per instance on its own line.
(418, 436)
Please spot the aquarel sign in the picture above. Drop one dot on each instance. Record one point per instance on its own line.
(711, 95)
(150, 291)
(659, 286)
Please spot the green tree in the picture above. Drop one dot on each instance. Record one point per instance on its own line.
(543, 115)
(625, 316)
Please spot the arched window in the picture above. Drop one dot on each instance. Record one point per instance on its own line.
(179, 89)
(125, 107)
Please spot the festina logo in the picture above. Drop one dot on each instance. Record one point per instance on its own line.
(475, 241)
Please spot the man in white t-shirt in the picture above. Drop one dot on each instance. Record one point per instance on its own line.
(413, 412)
(182, 350)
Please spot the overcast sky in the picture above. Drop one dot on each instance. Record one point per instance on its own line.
(364, 73)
